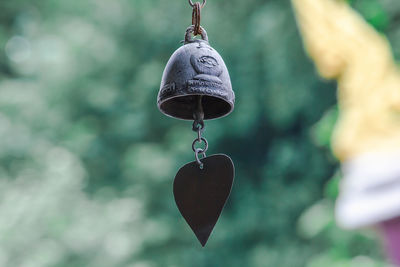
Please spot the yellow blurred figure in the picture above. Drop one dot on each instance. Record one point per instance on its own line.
(367, 136)
(346, 48)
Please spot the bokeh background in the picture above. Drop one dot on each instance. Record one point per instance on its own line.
(87, 161)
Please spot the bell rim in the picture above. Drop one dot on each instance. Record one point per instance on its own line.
(231, 104)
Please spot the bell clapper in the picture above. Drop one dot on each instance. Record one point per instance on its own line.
(198, 126)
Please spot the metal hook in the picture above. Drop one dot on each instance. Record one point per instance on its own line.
(196, 154)
(202, 5)
(198, 116)
(196, 18)
(190, 30)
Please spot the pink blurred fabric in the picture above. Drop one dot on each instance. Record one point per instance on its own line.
(391, 233)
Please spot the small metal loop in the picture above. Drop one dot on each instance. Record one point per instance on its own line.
(202, 139)
(198, 125)
(202, 5)
(199, 151)
(190, 31)
(196, 18)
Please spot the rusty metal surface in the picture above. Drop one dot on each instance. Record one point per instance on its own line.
(202, 4)
(201, 194)
(196, 18)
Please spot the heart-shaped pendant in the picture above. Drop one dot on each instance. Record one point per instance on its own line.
(201, 194)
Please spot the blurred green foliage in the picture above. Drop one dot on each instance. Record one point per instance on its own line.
(87, 161)
(374, 12)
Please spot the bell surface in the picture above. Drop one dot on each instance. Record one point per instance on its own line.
(196, 74)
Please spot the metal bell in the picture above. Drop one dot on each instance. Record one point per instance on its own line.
(196, 74)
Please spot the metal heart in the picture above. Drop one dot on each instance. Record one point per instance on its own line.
(201, 194)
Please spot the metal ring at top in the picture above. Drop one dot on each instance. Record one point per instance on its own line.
(190, 31)
(202, 5)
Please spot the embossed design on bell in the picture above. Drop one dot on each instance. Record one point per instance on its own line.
(194, 70)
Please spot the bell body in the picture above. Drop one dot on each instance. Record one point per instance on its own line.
(195, 74)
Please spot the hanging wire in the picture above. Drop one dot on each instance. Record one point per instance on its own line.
(198, 127)
(202, 5)
(196, 16)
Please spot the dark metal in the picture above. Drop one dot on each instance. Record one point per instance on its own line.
(202, 5)
(202, 139)
(196, 86)
(198, 116)
(199, 132)
(197, 152)
(196, 18)
(201, 194)
(198, 126)
(194, 70)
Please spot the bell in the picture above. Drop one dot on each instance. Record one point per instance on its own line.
(196, 74)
